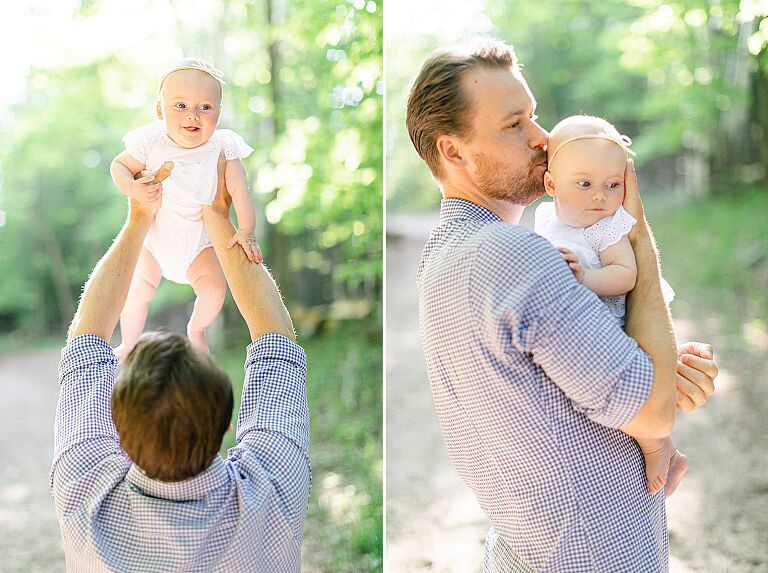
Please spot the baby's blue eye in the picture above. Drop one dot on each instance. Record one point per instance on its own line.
(180, 106)
(205, 107)
(583, 184)
(615, 185)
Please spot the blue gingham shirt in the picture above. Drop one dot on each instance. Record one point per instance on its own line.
(531, 377)
(245, 513)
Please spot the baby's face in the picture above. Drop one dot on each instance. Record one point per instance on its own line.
(587, 181)
(190, 105)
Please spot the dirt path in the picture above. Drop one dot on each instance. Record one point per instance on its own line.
(718, 519)
(29, 534)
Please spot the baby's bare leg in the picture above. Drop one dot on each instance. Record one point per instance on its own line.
(144, 283)
(207, 279)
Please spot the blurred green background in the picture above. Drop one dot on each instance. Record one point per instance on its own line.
(304, 87)
(686, 80)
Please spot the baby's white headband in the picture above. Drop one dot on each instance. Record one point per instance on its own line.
(622, 141)
(194, 64)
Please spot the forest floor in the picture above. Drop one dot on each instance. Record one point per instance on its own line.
(718, 519)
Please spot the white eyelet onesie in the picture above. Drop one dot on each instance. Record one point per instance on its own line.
(178, 235)
(587, 244)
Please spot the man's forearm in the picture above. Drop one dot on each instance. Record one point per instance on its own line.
(649, 323)
(106, 290)
(252, 286)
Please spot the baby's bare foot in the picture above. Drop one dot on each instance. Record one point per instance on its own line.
(197, 340)
(657, 461)
(678, 465)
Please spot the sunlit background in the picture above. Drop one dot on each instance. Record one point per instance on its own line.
(304, 87)
(688, 82)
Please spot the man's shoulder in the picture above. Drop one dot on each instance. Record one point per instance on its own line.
(492, 249)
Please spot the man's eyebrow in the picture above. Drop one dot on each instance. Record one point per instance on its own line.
(517, 112)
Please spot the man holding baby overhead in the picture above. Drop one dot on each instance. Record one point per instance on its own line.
(137, 478)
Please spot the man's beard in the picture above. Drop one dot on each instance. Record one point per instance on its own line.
(499, 181)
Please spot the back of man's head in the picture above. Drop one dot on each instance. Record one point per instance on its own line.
(171, 406)
(437, 105)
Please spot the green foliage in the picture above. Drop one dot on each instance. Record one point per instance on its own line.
(715, 255)
(343, 532)
(303, 87)
(320, 172)
(676, 77)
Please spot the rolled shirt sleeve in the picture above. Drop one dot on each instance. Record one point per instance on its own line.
(83, 430)
(273, 423)
(565, 328)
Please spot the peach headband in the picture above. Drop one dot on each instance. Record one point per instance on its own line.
(622, 141)
(194, 64)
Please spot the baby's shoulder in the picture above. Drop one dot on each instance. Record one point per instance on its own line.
(141, 141)
(146, 134)
(225, 136)
(232, 143)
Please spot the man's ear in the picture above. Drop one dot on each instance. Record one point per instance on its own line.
(448, 148)
(159, 110)
(549, 184)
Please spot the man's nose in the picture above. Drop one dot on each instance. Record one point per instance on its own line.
(538, 136)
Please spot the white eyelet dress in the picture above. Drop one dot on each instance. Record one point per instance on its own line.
(587, 244)
(178, 235)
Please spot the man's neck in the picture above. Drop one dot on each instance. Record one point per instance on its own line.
(506, 211)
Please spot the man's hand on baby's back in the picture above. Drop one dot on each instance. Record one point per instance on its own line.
(223, 200)
(633, 204)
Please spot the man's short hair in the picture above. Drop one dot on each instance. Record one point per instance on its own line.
(171, 406)
(437, 105)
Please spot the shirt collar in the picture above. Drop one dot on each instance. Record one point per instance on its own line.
(455, 209)
(194, 488)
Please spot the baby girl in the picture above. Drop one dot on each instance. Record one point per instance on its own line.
(177, 246)
(588, 224)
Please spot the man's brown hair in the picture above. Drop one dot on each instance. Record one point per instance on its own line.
(437, 105)
(171, 406)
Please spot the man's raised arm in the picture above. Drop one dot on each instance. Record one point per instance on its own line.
(107, 288)
(253, 288)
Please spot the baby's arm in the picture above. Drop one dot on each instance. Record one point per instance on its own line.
(237, 185)
(123, 168)
(618, 274)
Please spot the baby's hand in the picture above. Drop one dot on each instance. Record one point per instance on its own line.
(147, 186)
(573, 263)
(249, 243)
(144, 191)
